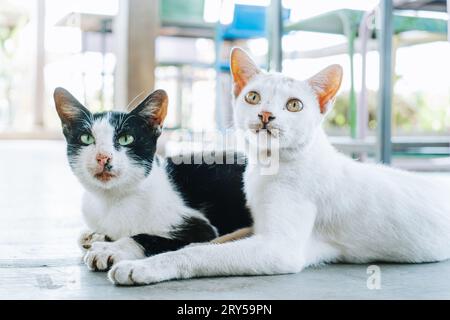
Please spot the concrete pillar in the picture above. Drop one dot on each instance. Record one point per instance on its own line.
(39, 65)
(136, 28)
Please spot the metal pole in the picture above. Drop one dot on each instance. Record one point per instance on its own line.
(353, 107)
(39, 81)
(385, 93)
(448, 20)
(275, 33)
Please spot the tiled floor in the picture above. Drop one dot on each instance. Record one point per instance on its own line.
(39, 259)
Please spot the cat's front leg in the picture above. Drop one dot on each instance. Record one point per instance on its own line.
(102, 255)
(278, 246)
(250, 256)
(88, 237)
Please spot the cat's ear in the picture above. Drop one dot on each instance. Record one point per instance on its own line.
(243, 68)
(68, 108)
(153, 108)
(326, 84)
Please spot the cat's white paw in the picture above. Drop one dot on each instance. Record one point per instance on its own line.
(140, 272)
(87, 238)
(103, 255)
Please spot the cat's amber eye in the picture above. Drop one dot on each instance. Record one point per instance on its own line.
(253, 97)
(294, 105)
(126, 139)
(87, 139)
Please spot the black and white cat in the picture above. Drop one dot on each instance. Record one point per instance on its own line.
(137, 203)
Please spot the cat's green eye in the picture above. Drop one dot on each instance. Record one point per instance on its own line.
(126, 139)
(294, 105)
(87, 138)
(253, 97)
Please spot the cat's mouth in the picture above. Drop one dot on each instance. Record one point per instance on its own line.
(104, 176)
(271, 130)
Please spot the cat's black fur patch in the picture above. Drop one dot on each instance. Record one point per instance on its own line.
(214, 189)
(194, 230)
(191, 230)
(72, 132)
(154, 244)
(143, 148)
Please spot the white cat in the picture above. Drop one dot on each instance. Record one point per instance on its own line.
(321, 206)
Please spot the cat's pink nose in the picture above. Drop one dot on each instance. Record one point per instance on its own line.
(102, 159)
(266, 117)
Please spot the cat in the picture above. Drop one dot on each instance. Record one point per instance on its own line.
(137, 203)
(321, 206)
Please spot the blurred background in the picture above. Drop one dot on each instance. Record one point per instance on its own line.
(110, 53)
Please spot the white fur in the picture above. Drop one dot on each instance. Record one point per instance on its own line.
(320, 207)
(104, 254)
(87, 238)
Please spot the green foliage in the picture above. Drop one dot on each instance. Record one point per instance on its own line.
(415, 114)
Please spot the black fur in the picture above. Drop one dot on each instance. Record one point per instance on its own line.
(154, 244)
(194, 230)
(73, 131)
(214, 189)
(143, 148)
(191, 230)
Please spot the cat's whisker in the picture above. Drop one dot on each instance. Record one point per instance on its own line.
(127, 108)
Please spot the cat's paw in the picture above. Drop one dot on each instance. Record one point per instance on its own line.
(87, 238)
(103, 255)
(140, 272)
